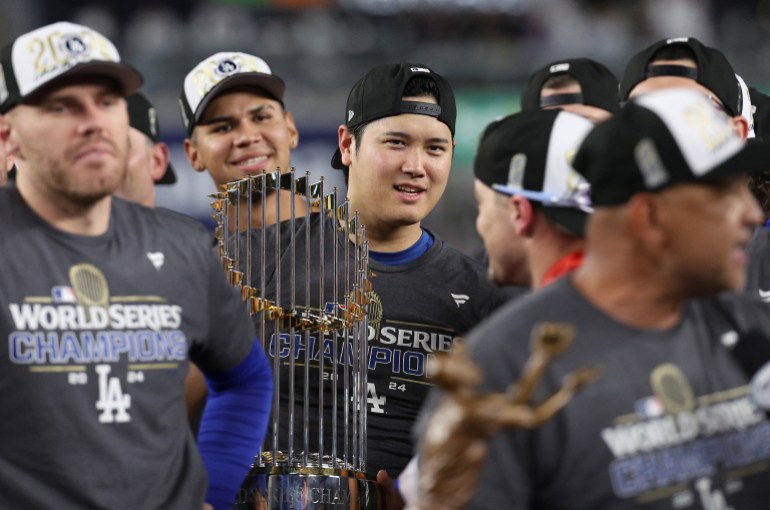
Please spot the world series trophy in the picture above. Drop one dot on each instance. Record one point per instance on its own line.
(305, 283)
(456, 438)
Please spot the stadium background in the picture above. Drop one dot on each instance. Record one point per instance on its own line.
(486, 48)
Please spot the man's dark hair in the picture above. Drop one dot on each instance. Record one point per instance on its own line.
(418, 86)
(674, 52)
(559, 80)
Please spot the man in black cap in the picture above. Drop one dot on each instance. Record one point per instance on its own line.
(686, 62)
(578, 85)
(538, 199)
(148, 156)
(670, 420)
(395, 147)
(103, 301)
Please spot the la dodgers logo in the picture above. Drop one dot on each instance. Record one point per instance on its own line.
(113, 403)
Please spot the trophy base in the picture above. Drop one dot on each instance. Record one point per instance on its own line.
(282, 488)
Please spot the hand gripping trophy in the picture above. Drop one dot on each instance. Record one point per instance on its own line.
(305, 283)
(456, 438)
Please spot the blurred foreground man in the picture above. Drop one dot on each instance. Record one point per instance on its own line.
(672, 421)
(101, 303)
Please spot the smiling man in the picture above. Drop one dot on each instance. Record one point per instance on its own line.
(395, 149)
(232, 108)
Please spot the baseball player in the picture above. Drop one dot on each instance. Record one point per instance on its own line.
(148, 159)
(578, 85)
(395, 148)
(670, 421)
(237, 125)
(538, 199)
(688, 63)
(102, 303)
(232, 105)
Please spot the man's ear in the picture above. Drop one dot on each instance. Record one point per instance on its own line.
(193, 156)
(646, 219)
(741, 126)
(292, 128)
(524, 216)
(160, 157)
(346, 143)
(10, 147)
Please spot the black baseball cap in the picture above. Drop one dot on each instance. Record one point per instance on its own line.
(598, 85)
(761, 104)
(40, 58)
(142, 116)
(379, 94)
(219, 73)
(713, 72)
(664, 138)
(529, 154)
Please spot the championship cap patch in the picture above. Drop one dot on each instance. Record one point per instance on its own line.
(40, 57)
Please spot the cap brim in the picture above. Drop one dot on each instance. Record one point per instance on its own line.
(571, 218)
(129, 78)
(754, 158)
(169, 177)
(271, 84)
(337, 160)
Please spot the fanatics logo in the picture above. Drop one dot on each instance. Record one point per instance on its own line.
(729, 339)
(350, 115)
(460, 299)
(157, 258)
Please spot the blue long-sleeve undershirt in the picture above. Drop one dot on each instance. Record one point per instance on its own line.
(234, 424)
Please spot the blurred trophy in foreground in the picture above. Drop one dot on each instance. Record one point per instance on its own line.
(305, 283)
(456, 439)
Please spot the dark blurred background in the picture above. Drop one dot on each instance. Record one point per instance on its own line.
(486, 48)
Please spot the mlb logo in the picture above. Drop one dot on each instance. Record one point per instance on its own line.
(650, 407)
(63, 294)
(331, 306)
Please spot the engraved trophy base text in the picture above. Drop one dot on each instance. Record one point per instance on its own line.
(302, 488)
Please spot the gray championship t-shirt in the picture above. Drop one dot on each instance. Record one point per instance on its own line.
(425, 305)
(96, 335)
(669, 424)
(418, 309)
